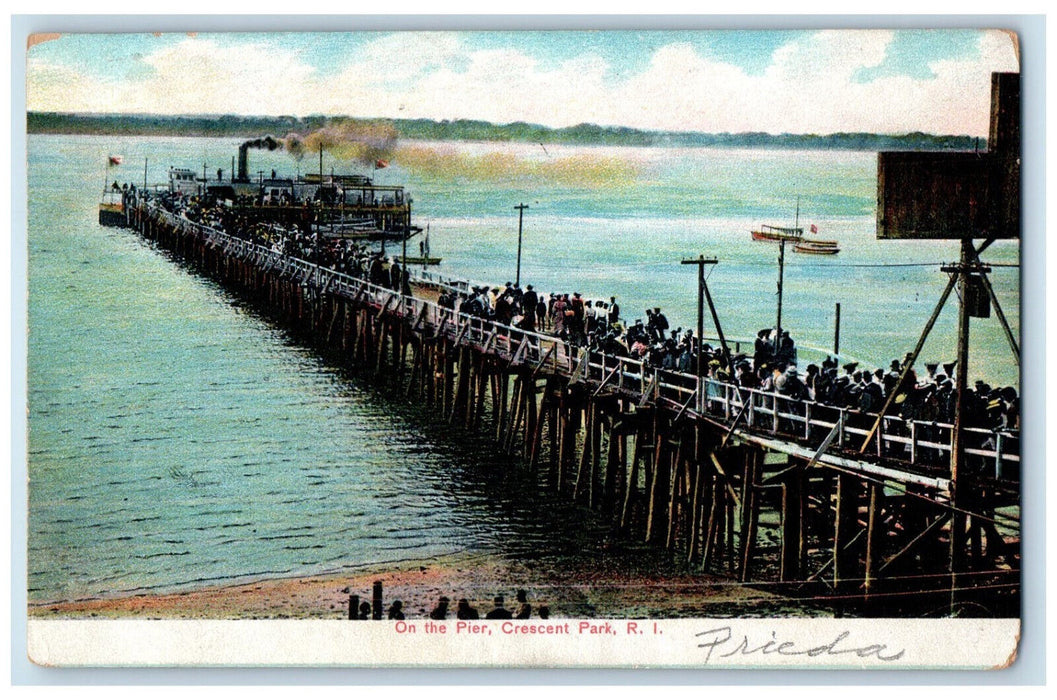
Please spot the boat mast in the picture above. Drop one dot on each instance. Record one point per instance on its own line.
(781, 273)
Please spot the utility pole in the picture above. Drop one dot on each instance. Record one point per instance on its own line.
(965, 269)
(836, 331)
(403, 263)
(702, 295)
(520, 219)
(781, 273)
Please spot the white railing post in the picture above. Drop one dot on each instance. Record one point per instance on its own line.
(999, 439)
(880, 435)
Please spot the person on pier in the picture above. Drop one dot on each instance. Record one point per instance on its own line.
(558, 309)
(396, 610)
(529, 302)
(504, 309)
(763, 350)
(657, 324)
(541, 313)
(377, 271)
(577, 322)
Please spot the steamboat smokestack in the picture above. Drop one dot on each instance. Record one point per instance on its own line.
(269, 142)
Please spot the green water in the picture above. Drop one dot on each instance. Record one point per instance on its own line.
(177, 439)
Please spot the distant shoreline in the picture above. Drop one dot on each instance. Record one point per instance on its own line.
(232, 126)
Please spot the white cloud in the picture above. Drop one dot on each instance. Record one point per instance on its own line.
(198, 75)
(810, 86)
(404, 55)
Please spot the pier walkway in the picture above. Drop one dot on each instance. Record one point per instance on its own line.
(684, 461)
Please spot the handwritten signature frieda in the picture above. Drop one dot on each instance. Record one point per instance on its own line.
(722, 643)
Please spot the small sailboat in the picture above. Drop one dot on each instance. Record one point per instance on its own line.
(777, 233)
(795, 235)
(780, 234)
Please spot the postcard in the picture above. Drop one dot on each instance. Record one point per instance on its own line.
(616, 348)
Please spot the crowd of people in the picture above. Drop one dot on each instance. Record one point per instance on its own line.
(464, 610)
(343, 255)
(773, 366)
(600, 326)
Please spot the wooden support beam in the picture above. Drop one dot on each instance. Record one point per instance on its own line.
(846, 529)
(675, 491)
(657, 483)
(921, 537)
(531, 413)
(726, 479)
(792, 527)
(632, 489)
(537, 421)
(750, 513)
(414, 377)
(517, 406)
(583, 471)
(715, 517)
(543, 360)
(697, 490)
(611, 470)
(874, 535)
(481, 371)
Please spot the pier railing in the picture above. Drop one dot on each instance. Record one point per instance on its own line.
(921, 444)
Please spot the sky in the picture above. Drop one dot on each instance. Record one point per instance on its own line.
(881, 81)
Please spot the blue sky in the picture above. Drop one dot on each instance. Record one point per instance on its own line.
(727, 80)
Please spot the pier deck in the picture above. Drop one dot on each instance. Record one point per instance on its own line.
(686, 462)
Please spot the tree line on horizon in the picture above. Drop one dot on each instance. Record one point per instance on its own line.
(235, 126)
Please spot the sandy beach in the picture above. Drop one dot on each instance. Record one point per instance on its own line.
(601, 590)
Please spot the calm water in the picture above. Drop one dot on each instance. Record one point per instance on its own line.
(177, 439)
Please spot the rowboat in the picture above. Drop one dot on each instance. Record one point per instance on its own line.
(816, 247)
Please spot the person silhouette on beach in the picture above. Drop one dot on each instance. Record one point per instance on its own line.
(396, 610)
(465, 611)
(441, 611)
(499, 612)
(524, 609)
(365, 611)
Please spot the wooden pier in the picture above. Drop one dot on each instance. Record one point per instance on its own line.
(697, 466)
